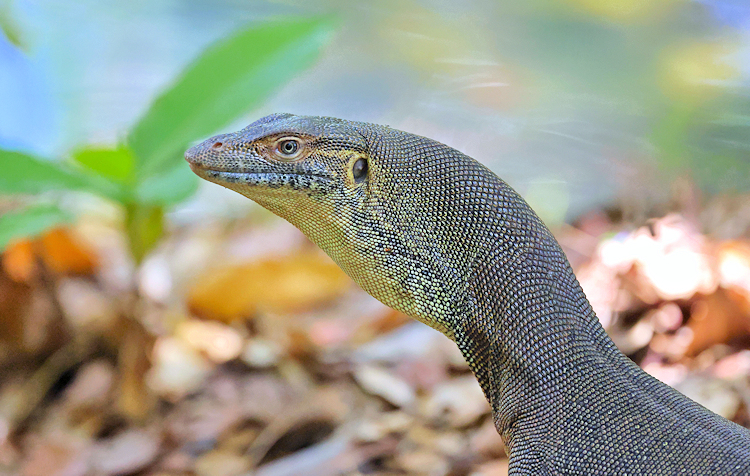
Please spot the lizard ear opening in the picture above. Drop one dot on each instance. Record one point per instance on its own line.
(359, 170)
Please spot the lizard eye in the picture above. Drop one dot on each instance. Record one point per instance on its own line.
(359, 170)
(288, 148)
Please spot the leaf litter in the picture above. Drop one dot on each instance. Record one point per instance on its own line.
(246, 351)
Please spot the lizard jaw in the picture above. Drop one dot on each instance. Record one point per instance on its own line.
(271, 180)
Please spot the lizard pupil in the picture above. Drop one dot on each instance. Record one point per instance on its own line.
(289, 147)
(359, 170)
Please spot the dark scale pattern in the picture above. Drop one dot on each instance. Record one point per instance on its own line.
(437, 235)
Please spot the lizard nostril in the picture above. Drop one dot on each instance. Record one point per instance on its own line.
(217, 145)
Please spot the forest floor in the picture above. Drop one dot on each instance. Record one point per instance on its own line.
(240, 348)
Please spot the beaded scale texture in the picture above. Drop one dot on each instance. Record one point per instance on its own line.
(431, 232)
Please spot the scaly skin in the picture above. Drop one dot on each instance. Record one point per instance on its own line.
(431, 232)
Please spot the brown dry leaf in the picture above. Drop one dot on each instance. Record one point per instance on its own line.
(309, 421)
(380, 425)
(15, 298)
(716, 319)
(215, 410)
(91, 387)
(53, 457)
(287, 284)
(64, 254)
(265, 397)
(425, 372)
(260, 353)
(422, 461)
(19, 261)
(221, 463)
(384, 324)
(87, 308)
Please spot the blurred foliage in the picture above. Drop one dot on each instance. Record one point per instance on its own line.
(146, 173)
(673, 72)
(8, 26)
(29, 222)
(570, 87)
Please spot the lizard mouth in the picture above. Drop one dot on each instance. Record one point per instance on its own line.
(270, 179)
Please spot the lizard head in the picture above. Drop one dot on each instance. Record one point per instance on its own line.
(304, 169)
(350, 187)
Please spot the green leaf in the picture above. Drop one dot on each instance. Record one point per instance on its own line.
(229, 79)
(167, 188)
(23, 173)
(29, 222)
(113, 164)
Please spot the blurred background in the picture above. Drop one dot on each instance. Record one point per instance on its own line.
(150, 324)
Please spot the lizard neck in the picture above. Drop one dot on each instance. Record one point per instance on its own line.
(562, 394)
(525, 310)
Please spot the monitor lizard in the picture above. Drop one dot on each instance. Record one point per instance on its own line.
(432, 232)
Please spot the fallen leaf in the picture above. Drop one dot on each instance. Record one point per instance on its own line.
(211, 412)
(91, 386)
(19, 261)
(15, 300)
(422, 461)
(56, 458)
(382, 324)
(287, 284)
(458, 402)
(717, 319)
(126, 452)
(380, 382)
(733, 367)
(64, 254)
(221, 463)
(383, 424)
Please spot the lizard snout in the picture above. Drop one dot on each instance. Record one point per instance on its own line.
(207, 154)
